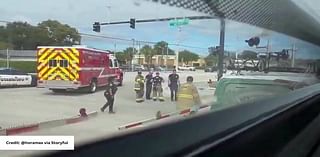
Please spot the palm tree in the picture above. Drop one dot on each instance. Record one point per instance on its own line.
(129, 53)
(148, 53)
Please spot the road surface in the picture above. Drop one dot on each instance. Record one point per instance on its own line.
(30, 105)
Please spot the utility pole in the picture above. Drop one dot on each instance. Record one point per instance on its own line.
(139, 53)
(133, 42)
(167, 57)
(162, 59)
(177, 51)
(8, 58)
(109, 13)
(265, 62)
(293, 53)
(221, 48)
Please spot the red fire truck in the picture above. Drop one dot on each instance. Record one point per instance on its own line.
(71, 68)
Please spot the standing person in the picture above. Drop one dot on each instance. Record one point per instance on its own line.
(188, 96)
(157, 87)
(211, 83)
(149, 85)
(109, 94)
(139, 87)
(173, 84)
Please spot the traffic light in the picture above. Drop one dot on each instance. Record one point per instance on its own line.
(255, 41)
(133, 23)
(96, 27)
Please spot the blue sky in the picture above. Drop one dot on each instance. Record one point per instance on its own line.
(201, 33)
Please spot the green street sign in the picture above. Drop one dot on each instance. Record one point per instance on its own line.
(178, 22)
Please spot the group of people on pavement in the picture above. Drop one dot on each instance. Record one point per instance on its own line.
(186, 95)
(153, 83)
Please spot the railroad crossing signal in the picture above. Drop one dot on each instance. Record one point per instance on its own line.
(133, 23)
(96, 27)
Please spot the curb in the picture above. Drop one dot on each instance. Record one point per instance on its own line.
(45, 125)
(139, 123)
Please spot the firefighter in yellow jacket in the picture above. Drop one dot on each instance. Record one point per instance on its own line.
(139, 87)
(188, 96)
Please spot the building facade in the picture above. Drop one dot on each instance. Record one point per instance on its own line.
(165, 60)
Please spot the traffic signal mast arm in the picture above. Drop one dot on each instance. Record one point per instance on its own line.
(160, 19)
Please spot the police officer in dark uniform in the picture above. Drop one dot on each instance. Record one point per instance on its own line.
(110, 92)
(148, 85)
(173, 84)
(157, 87)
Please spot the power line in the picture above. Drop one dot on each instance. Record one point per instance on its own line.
(102, 36)
(138, 41)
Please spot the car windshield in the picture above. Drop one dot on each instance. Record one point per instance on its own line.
(90, 69)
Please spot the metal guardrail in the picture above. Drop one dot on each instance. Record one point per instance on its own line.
(18, 55)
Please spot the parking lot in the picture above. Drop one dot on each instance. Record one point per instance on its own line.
(28, 105)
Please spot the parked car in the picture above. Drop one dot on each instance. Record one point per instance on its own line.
(187, 67)
(159, 68)
(138, 67)
(251, 65)
(125, 67)
(210, 69)
(13, 77)
(239, 64)
(215, 68)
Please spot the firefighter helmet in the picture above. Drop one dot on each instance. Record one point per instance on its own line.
(189, 79)
(139, 72)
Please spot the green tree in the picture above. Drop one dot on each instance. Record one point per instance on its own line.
(129, 52)
(187, 56)
(5, 45)
(60, 34)
(161, 48)
(121, 57)
(3, 37)
(148, 53)
(21, 35)
(211, 60)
